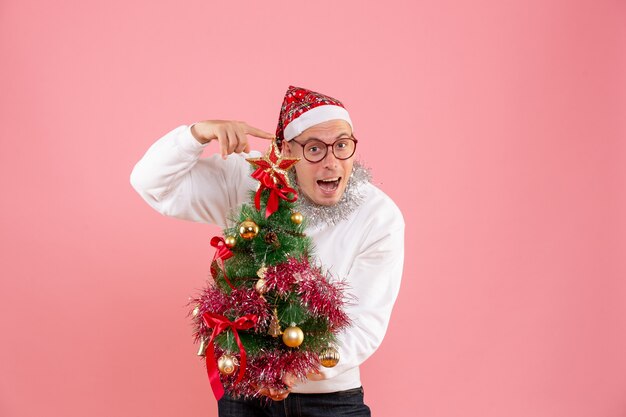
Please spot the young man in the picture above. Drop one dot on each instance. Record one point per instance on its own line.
(358, 232)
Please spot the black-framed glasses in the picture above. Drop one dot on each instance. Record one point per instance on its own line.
(314, 150)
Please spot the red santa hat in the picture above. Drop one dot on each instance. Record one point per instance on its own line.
(304, 108)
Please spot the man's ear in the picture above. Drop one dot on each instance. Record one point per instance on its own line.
(286, 148)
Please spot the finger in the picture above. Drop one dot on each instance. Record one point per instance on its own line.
(281, 397)
(223, 141)
(251, 130)
(277, 395)
(232, 141)
(278, 392)
(242, 140)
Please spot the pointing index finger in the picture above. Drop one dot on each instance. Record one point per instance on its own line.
(251, 130)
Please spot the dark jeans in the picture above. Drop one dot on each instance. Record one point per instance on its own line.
(335, 404)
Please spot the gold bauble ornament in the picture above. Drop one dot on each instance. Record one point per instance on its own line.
(260, 286)
(227, 364)
(230, 241)
(248, 229)
(196, 311)
(297, 217)
(293, 336)
(329, 357)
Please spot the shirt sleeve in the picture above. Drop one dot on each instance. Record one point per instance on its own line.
(377, 270)
(174, 180)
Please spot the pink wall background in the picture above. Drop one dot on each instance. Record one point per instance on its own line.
(499, 128)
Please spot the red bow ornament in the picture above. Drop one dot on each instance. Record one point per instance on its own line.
(220, 323)
(222, 253)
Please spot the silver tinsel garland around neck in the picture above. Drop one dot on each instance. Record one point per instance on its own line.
(352, 198)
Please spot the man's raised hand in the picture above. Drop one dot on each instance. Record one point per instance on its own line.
(231, 135)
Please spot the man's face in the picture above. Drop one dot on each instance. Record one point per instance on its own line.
(323, 182)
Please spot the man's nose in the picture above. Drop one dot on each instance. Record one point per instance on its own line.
(330, 160)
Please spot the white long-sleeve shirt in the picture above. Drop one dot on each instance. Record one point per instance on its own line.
(367, 248)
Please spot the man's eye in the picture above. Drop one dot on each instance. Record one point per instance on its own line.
(314, 149)
(342, 145)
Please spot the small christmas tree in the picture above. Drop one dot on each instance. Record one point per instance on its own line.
(269, 309)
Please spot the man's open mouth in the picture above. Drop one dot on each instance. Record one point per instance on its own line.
(329, 184)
